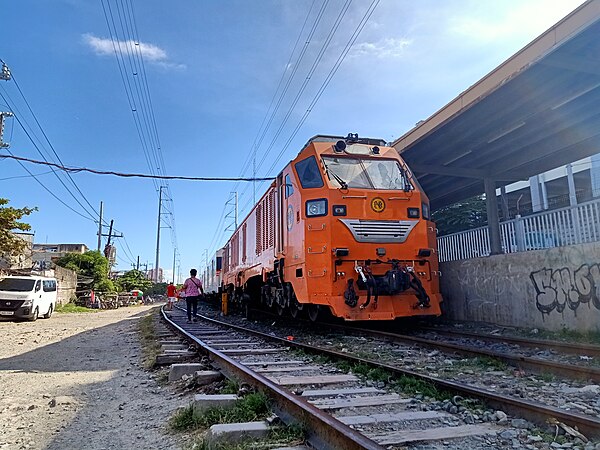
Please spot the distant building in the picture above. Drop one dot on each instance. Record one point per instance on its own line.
(22, 261)
(43, 254)
(150, 274)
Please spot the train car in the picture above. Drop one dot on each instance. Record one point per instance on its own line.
(211, 276)
(344, 229)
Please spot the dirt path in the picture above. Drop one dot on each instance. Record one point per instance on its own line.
(75, 381)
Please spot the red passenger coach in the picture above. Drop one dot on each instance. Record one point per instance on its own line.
(344, 228)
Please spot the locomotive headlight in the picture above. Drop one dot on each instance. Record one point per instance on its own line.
(413, 213)
(316, 208)
(425, 209)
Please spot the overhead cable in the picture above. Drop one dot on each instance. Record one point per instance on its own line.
(130, 175)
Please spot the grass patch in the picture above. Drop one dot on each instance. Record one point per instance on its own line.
(413, 386)
(73, 308)
(150, 346)
(482, 362)
(250, 408)
(279, 436)
(230, 387)
(588, 337)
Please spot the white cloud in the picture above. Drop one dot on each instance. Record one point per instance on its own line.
(150, 52)
(524, 20)
(384, 48)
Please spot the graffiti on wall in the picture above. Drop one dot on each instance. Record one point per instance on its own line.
(558, 289)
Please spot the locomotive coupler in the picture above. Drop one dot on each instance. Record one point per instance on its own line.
(350, 296)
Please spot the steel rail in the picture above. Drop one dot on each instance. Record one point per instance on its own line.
(533, 364)
(535, 412)
(523, 362)
(324, 431)
(566, 347)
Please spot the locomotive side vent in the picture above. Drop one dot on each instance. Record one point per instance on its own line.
(392, 231)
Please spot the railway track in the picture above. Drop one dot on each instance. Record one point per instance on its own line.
(327, 404)
(570, 369)
(520, 361)
(564, 347)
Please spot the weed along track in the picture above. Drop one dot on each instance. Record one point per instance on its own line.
(341, 400)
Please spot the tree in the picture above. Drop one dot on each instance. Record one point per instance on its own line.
(465, 215)
(89, 264)
(10, 244)
(133, 279)
(157, 289)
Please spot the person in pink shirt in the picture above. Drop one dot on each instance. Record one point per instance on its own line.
(192, 287)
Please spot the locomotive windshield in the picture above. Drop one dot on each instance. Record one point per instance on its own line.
(366, 173)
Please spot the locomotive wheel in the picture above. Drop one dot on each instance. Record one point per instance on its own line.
(280, 310)
(313, 312)
(294, 310)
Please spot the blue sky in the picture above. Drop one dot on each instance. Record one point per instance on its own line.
(212, 68)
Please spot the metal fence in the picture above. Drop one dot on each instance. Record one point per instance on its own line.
(566, 226)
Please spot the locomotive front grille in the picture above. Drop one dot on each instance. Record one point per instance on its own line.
(384, 231)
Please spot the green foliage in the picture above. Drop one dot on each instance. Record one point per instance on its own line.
(156, 289)
(247, 409)
(230, 387)
(73, 308)
(465, 215)
(89, 264)
(133, 279)
(412, 386)
(10, 244)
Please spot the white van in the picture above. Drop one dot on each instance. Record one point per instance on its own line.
(27, 297)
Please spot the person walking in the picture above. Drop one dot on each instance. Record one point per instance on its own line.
(193, 289)
(171, 292)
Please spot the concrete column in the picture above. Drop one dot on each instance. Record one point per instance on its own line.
(536, 195)
(595, 175)
(492, 216)
(504, 203)
(543, 191)
(571, 183)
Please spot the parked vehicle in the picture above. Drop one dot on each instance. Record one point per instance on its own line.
(27, 297)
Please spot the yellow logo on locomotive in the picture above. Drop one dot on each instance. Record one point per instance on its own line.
(377, 204)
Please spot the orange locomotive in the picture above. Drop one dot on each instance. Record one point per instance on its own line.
(344, 228)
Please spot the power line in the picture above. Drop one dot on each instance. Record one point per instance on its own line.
(130, 175)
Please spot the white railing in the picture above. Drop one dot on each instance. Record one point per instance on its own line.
(566, 226)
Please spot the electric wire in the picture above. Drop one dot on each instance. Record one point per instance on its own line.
(130, 175)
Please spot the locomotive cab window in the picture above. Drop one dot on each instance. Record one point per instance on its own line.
(289, 188)
(366, 173)
(308, 173)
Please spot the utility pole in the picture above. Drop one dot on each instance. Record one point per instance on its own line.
(236, 210)
(4, 75)
(138, 263)
(2, 116)
(174, 253)
(100, 228)
(158, 234)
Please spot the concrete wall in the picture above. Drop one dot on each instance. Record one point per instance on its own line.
(67, 282)
(550, 289)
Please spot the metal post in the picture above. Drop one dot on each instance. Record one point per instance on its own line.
(492, 216)
(520, 233)
(158, 234)
(100, 228)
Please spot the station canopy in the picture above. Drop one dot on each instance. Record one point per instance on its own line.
(538, 110)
